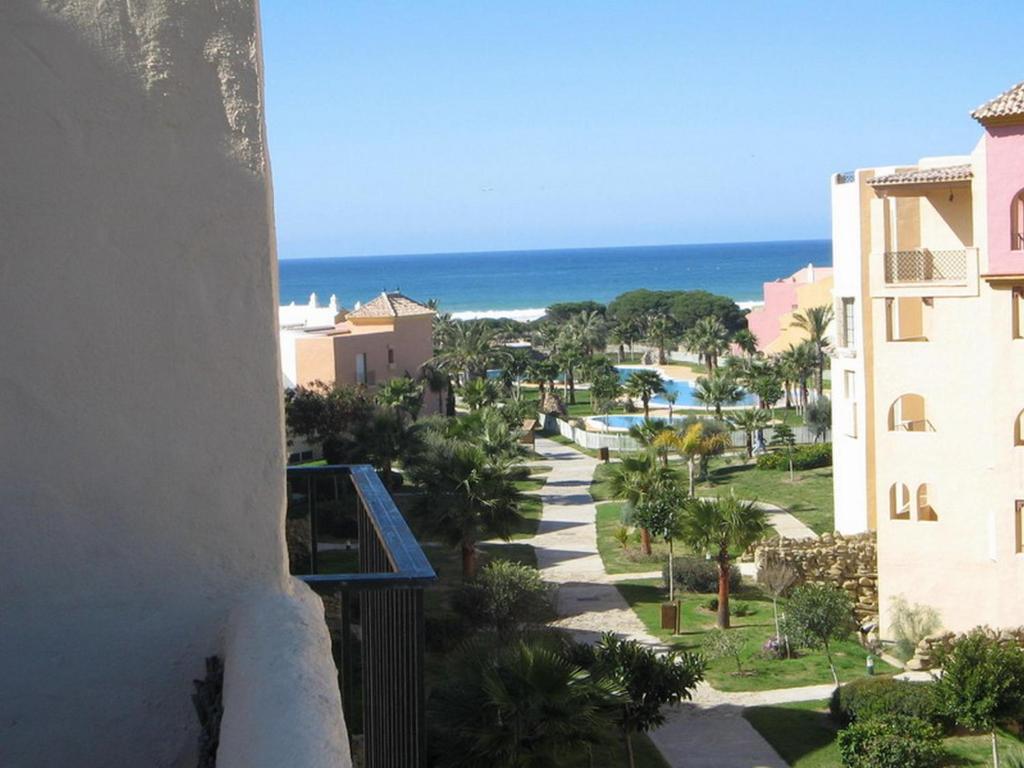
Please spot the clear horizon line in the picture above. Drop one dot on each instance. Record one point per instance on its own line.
(541, 250)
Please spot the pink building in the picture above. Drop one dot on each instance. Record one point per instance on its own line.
(770, 322)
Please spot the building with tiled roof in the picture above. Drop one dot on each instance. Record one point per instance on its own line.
(387, 306)
(941, 175)
(928, 270)
(1007, 107)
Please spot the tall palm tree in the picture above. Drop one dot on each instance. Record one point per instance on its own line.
(466, 351)
(590, 330)
(570, 353)
(708, 339)
(645, 383)
(816, 321)
(438, 382)
(647, 433)
(695, 442)
(402, 393)
(717, 390)
(467, 495)
(746, 341)
(803, 361)
(660, 330)
(633, 479)
(721, 527)
(521, 705)
(670, 397)
(749, 421)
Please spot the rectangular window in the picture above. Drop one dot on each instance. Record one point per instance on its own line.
(391, 356)
(849, 337)
(361, 368)
(849, 385)
(905, 318)
(1018, 312)
(1018, 528)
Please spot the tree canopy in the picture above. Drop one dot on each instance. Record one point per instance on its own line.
(684, 307)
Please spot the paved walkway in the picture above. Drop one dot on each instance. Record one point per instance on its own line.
(709, 732)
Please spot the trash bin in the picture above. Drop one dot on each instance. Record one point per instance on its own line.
(602, 454)
(670, 616)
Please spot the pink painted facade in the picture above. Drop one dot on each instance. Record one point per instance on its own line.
(1004, 169)
(781, 297)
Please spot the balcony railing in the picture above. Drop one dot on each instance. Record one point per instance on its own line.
(926, 266)
(347, 539)
(846, 177)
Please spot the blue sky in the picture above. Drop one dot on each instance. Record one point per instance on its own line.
(419, 127)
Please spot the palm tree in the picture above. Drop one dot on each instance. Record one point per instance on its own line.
(479, 392)
(670, 397)
(466, 351)
(695, 443)
(746, 341)
(467, 495)
(645, 383)
(750, 420)
(517, 365)
(659, 332)
(590, 330)
(438, 382)
(649, 433)
(633, 479)
(717, 390)
(403, 394)
(570, 353)
(816, 321)
(521, 705)
(720, 527)
(803, 360)
(708, 338)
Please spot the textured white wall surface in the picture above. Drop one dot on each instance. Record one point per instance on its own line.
(139, 375)
(281, 697)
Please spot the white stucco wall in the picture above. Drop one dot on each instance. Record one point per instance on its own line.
(139, 374)
(849, 426)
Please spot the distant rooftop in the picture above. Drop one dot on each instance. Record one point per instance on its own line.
(947, 174)
(1009, 104)
(392, 304)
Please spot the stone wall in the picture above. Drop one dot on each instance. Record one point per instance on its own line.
(934, 645)
(847, 562)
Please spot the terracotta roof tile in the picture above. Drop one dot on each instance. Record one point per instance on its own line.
(924, 176)
(1008, 104)
(391, 305)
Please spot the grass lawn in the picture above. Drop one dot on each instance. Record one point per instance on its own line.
(614, 756)
(631, 560)
(809, 668)
(530, 508)
(804, 736)
(809, 499)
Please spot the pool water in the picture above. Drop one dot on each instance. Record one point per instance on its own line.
(625, 422)
(683, 390)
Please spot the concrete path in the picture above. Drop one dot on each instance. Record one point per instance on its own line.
(566, 546)
(710, 731)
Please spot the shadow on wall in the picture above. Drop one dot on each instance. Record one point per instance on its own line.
(142, 385)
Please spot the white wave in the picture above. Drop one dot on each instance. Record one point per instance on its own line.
(749, 304)
(522, 315)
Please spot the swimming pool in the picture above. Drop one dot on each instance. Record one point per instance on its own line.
(682, 389)
(616, 422)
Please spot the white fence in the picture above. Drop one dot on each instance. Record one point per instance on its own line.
(623, 443)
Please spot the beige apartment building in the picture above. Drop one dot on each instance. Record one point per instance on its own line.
(927, 417)
(385, 338)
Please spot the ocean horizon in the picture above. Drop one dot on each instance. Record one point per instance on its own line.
(520, 284)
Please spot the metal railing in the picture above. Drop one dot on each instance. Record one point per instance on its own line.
(347, 540)
(846, 177)
(914, 425)
(925, 266)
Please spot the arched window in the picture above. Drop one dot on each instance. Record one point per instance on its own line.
(1017, 222)
(907, 414)
(925, 511)
(899, 502)
(1018, 429)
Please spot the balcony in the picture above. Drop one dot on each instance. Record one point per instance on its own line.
(925, 272)
(348, 541)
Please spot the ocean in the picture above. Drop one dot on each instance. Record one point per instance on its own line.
(521, 283)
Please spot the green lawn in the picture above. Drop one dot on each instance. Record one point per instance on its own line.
(629, 560)
(804, 736)
(809, 499)
(614, 756)
(759, 674)
(530, 507)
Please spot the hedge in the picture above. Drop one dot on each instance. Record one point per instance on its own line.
(695, 574)
(804, 457)
(893, 741)
(870, 697)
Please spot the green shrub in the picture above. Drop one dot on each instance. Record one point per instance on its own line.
(741, 609)
(910, 624)
(870, 697)
(712, 605)
(804, 457)
(892, 741)
(503, 596)
(695, 574)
